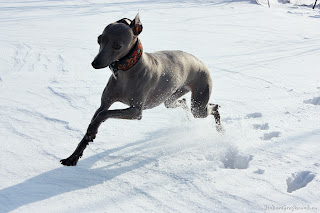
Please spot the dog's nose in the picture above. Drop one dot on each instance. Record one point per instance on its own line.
(94, 64)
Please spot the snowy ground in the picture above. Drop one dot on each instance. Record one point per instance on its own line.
(265, 68)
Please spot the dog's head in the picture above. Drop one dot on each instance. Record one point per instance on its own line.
(116, 41)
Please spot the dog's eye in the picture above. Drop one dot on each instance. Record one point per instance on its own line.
(99, 39)
(116, 46)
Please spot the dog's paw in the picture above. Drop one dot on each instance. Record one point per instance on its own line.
(70, 161)
(219, 128)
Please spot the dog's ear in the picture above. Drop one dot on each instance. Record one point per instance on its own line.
(125, 21)
(136, 25)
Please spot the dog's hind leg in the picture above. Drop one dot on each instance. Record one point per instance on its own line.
(214, 110)
(173, 102)
(200, 107)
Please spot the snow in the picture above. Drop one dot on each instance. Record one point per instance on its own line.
(264, 64)
(315, 101)
(299, 180)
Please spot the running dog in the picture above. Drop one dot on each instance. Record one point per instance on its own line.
(145, 80)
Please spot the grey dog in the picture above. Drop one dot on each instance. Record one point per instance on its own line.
(145, 80)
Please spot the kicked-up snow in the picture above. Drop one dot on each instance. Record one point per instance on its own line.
(264, 64)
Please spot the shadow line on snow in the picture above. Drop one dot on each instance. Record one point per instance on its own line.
(66, 179)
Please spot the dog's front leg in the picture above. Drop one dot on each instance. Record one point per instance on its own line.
(131, 113)
(73, 159)
(99, 117)
(109, 96)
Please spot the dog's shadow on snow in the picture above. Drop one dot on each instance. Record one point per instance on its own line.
(68, 179)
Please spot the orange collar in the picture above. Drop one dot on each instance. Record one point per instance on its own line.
(128, 60)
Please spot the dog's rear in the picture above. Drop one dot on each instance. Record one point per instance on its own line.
(178, 73)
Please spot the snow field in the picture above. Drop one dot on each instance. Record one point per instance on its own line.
(264, 65)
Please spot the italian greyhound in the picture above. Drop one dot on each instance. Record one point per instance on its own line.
(145, 80)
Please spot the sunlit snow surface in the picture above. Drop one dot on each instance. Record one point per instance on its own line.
(264, 63)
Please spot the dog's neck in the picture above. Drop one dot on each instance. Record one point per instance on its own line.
(129, 60)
